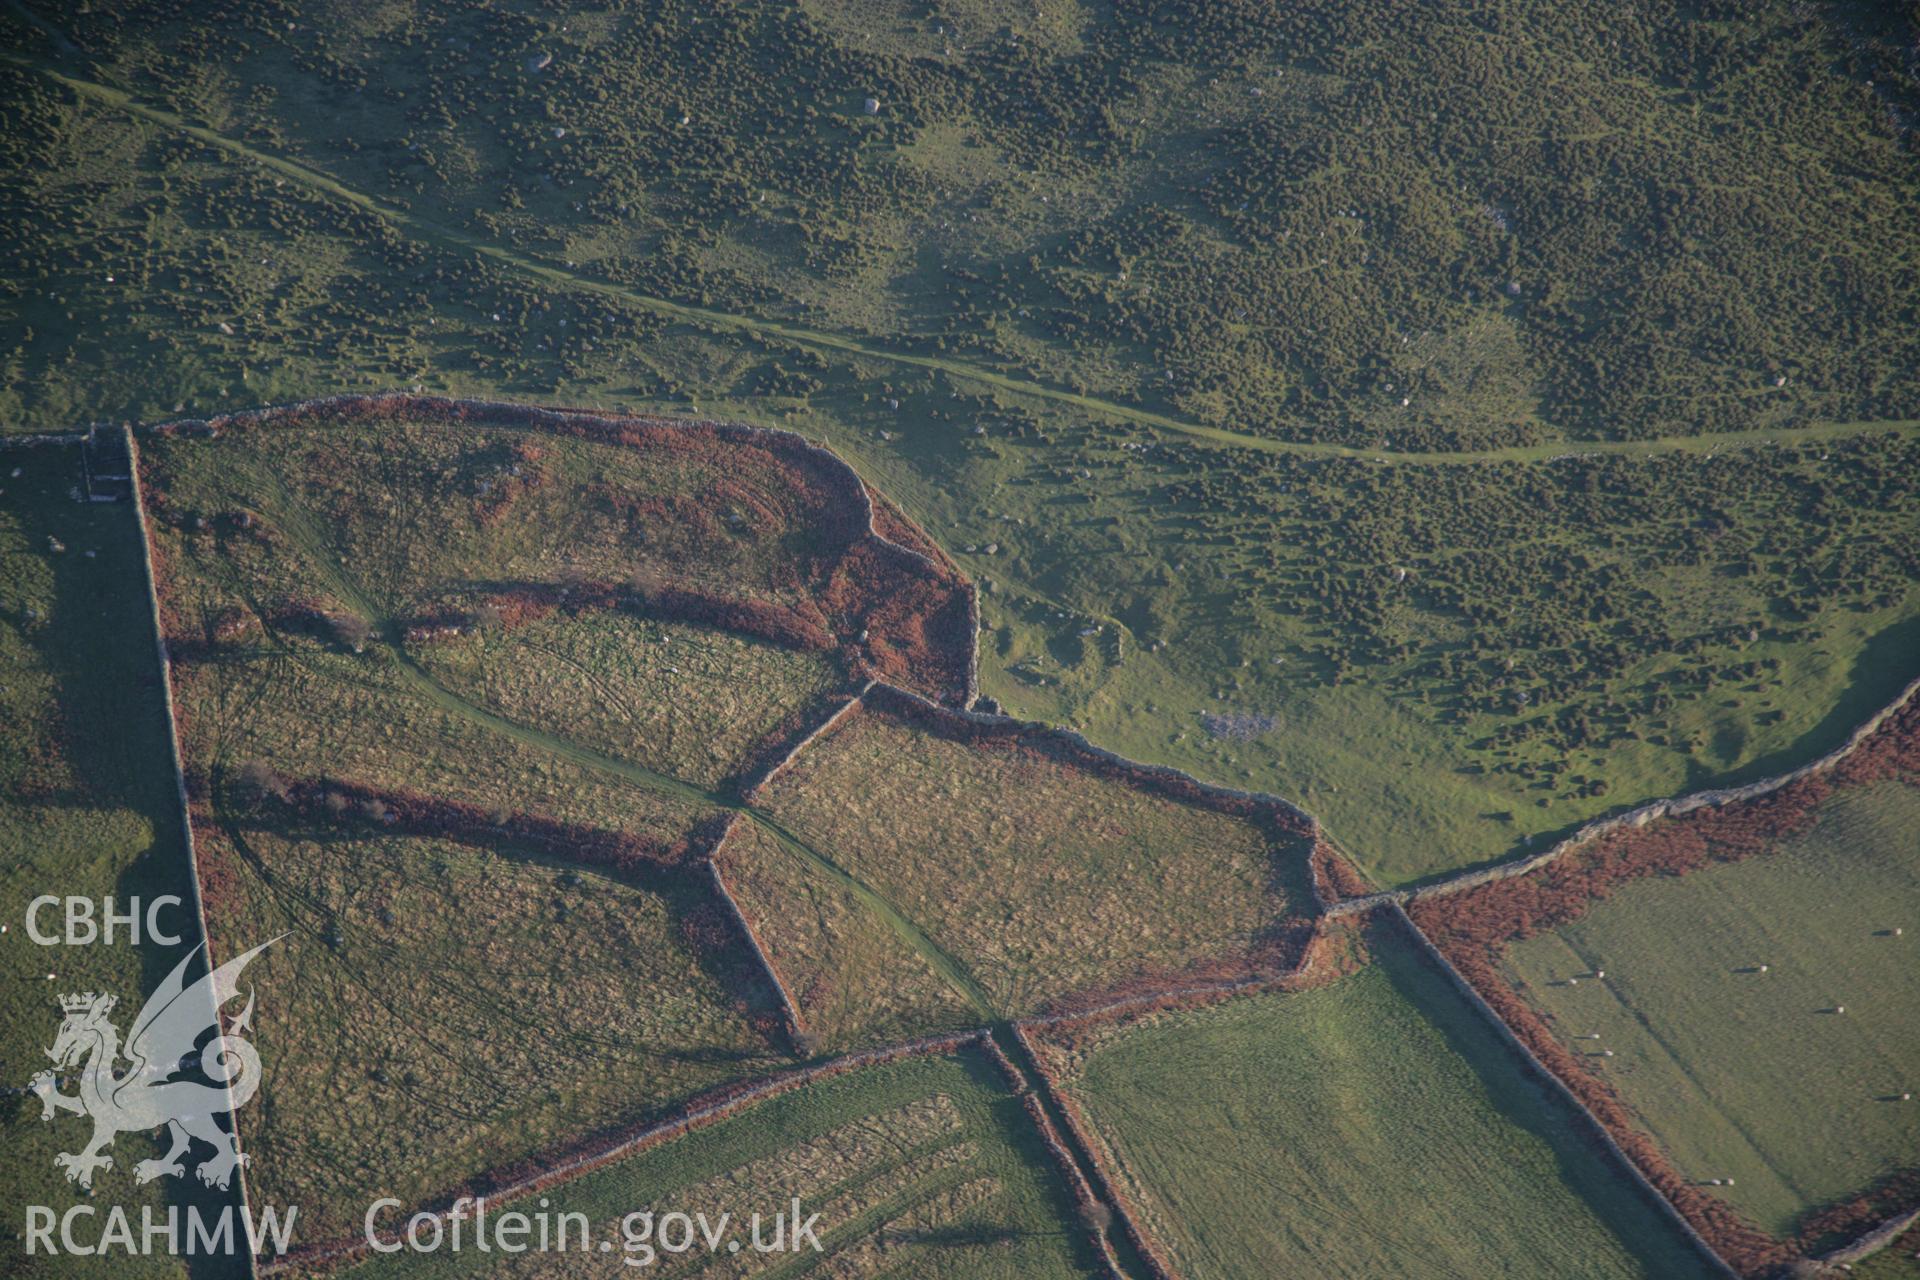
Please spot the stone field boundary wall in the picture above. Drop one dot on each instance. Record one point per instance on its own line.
(152, 587)
(1634, 818)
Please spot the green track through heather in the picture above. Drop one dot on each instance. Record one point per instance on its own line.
(777, 331)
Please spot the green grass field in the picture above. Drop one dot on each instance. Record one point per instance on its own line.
(1036, 876)
(922, 1168)
(1749, 1075)
(1901, 1262)
(1372, 1127)
(86, 806)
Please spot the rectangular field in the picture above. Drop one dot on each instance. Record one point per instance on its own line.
(1372, 1127)
(1754, 1076)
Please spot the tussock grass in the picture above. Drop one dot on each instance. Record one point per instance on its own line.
(438, 1010)
(854, 980)
(1038, 875)
(683, 700)
(310, 713)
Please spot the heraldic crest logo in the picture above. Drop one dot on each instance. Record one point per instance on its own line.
(138, 1085)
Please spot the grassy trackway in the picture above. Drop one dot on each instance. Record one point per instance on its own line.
(843, 345)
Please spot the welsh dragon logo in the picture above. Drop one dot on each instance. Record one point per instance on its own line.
(162, 1044)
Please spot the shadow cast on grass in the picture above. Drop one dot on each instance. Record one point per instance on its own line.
(1640, 1224)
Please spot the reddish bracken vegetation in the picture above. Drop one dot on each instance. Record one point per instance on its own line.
(1334, 878)
(621, 853)
(1288, 958)
(232, 625)
(1472, 929)
(863, 582)
(709, 931)
(915, 627)
(1504, 911)
(1334, 950)
(779, 742)
(1099, 1188)
(160, 564)
(1847, 1221)
(336, 802)
(904, 616)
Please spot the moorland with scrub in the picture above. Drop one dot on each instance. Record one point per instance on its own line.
(1448, 228)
